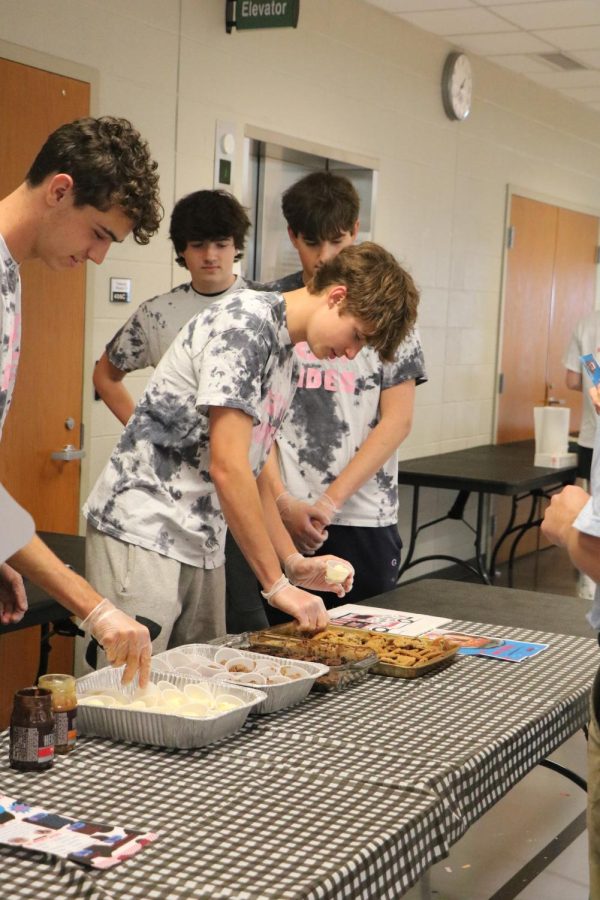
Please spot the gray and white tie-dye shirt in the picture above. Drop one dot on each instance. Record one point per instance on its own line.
(144, 338)
(10, 327)
(333, 412)
(155, 490)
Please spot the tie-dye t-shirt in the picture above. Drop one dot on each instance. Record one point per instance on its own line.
(10, 327)
(151, 329)
(286, 283)
(155, 490)
(333, 412)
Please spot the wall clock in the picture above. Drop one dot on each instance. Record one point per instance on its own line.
(457, 86)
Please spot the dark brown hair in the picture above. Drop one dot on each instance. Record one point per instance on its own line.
(110, 165)
(321, 206)
(208, 216)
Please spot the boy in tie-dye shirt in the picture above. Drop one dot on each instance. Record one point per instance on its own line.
(190, 460)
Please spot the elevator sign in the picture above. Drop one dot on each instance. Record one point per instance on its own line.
(244, 14)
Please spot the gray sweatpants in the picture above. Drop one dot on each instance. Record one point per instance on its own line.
(185, 604)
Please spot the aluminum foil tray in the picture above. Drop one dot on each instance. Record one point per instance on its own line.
(276, 696)
(337, 678)
(160, 729)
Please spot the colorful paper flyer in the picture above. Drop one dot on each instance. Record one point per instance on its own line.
(591, 367)
(384, 621)
(484, 645)
(94, 844)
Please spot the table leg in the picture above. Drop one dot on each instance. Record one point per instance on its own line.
(480, 561)
(414, 530)
(456, 512)
(425, 885)
(505, 533)
(567, 773)
(531, 522)
(45, 648)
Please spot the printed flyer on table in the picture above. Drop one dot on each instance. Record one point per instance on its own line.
(95, 844)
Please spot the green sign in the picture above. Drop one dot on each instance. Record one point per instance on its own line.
(267, 13)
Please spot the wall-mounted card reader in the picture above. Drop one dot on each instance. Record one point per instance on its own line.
(120, 290)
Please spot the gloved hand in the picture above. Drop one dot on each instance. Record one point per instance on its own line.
(305, 521)
(123, 640)
(307, 609)
(312, 572)
(13, 599)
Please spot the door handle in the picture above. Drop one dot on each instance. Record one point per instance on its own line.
(555, 401)
(68, 453)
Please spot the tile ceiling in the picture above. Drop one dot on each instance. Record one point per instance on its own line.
(553, 42)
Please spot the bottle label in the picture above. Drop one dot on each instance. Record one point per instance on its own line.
(31, 745)
(65, 724)
(72, 727)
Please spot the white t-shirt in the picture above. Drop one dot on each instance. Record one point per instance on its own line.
(144, 338)
(333, 412)
(588, 521)
(585, 339)
(156, 491)
(10, 327)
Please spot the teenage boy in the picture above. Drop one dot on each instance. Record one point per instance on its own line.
(92, 183)
(334, 472)
(187, 464)
(208, 231)
(572, 521)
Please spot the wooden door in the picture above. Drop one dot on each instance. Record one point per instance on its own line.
(48, 391)
(574, 297)
(526, 326)
(550, 285)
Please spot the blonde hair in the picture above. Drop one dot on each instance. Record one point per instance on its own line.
(379, 292)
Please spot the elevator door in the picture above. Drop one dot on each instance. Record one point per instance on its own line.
(270, 170)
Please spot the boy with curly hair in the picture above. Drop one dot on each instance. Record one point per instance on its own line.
(92, 183)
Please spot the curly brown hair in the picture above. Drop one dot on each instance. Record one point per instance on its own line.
(110, 165)
(379, 292)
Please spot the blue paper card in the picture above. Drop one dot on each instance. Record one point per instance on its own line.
(484, 645)
(591, 367)
(513, 651)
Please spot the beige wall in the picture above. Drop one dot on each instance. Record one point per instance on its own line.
(354, 78)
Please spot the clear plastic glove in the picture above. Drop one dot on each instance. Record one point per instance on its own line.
(306, 522)
(307, 609)
(13, 599)
(124, 641)
(312, 573)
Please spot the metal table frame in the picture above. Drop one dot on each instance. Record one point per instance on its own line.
(42, 609)
(503, 469)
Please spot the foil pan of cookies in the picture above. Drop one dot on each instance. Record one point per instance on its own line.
(284, 682)
(399, 656)
(167, 713)
(346, 664)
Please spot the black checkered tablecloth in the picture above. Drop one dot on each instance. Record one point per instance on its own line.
(346, 796)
